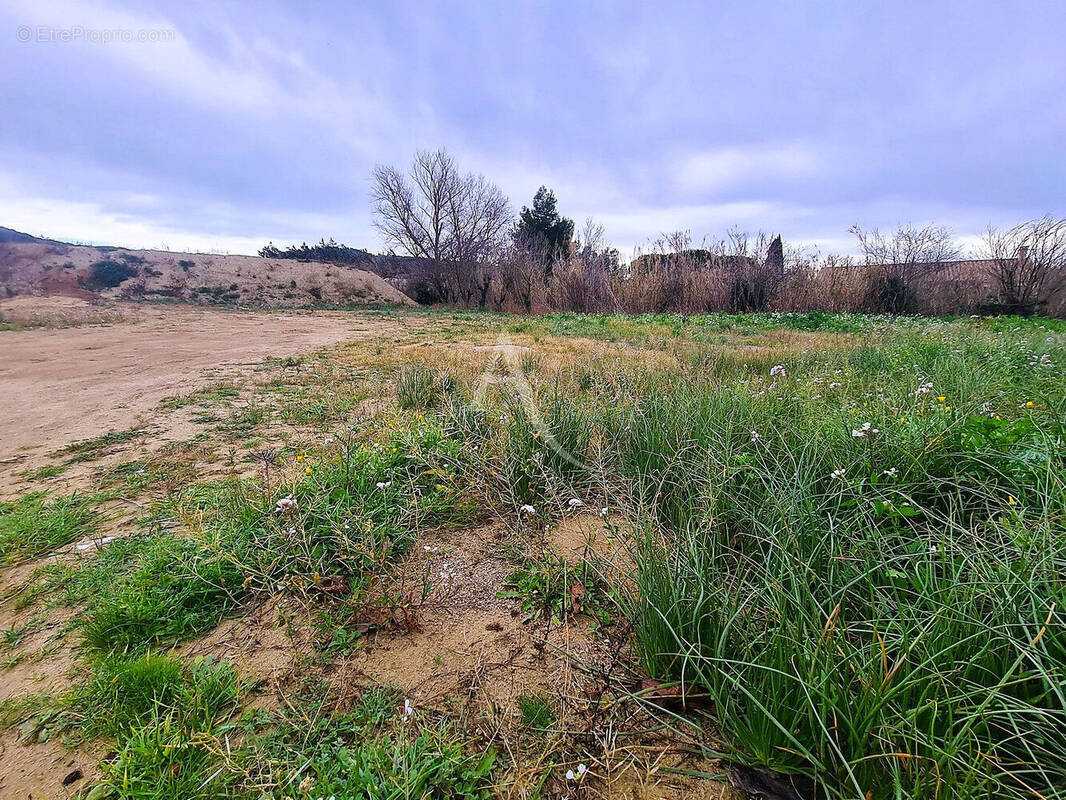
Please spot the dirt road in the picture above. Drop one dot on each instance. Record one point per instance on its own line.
(60, 385)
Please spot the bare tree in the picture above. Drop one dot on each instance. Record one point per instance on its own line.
(457, 222)
(1027, 263)
(899, 261)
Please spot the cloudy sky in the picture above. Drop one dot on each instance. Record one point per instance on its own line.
(219, 126)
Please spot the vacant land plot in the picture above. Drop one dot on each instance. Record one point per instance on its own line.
(60, 383)
(435, 554)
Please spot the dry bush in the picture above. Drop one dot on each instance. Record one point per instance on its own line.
(911, 270)
(897, 262)
(1027, 265)
(583, 281)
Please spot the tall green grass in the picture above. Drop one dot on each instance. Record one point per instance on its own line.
(34, 525)
(872, 614)
(891, 630)
(866, 654)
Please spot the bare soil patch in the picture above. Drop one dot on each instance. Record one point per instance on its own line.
(58, 386)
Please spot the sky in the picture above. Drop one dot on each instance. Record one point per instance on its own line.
(216, 127)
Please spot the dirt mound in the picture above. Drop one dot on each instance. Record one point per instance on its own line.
(42, 268)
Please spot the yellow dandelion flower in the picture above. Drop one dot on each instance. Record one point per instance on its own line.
(1010, 499)
(941, 399)
(299, 458)
(308, 471)
(1029, 404)
(947, 408)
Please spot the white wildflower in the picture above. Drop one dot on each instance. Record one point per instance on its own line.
(838, 473)
(865, 431)
(383, 484)
(755, 436)
(573, 503)
(777, 369)
(571, 775)
(528, 509)
(285, 505)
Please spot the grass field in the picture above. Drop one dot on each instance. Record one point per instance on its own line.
(822, 552)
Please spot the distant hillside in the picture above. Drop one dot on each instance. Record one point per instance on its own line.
(32, 266)
(10, 236)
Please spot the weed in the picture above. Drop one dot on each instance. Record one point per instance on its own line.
(45, 472)
(33, 525)
(161, 760)
(550, 587)
(90, 449)
(207, 396)
(124, 694)
(175, 590)
(418, 387)
(536, 712)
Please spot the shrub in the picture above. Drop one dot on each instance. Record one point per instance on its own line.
(109, 274)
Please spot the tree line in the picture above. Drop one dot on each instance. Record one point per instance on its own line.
(465, 247)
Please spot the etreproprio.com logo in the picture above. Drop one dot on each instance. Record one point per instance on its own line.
(77, 33)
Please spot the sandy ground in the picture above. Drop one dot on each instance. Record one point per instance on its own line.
(59, 386)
